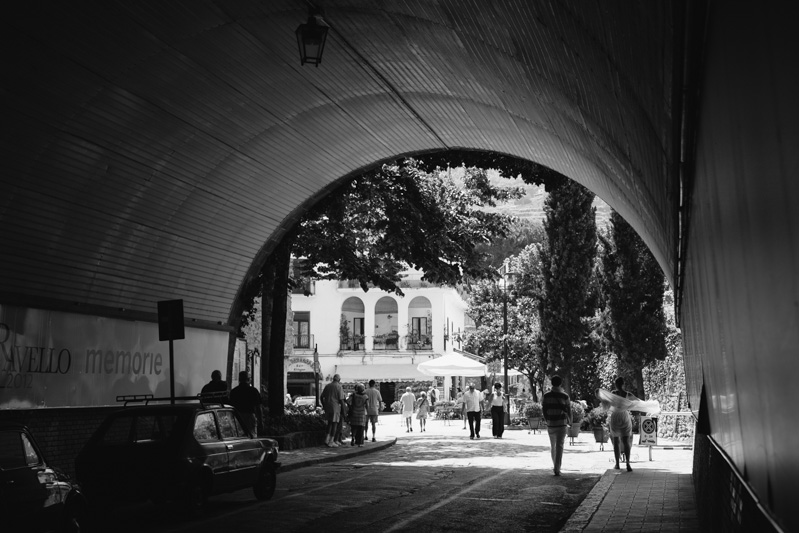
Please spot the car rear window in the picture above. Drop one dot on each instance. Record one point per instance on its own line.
(16, 450)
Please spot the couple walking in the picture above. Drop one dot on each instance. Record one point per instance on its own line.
(473, 406)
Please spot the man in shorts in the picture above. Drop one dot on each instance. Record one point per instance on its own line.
(372, 409)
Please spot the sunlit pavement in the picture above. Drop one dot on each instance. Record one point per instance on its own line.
(657, 496)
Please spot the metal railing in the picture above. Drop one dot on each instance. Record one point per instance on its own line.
(352, 342)
(303, 341)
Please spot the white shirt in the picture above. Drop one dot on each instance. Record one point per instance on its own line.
(472, 400)
(408, 400)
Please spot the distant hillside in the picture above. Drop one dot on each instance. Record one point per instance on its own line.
(531, 205)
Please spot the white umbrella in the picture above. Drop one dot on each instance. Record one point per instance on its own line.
(452, 364)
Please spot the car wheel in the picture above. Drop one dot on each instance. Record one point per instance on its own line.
(195, 499)
(267, 481)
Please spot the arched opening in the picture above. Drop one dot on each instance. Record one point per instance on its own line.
(386, 324)
(420, 324)
(351, 328)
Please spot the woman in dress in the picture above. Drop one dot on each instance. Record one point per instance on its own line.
(422, 407)
(619, 403)
(358, 403)
(621, 425)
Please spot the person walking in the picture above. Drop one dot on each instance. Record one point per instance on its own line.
(358, 403)
(247, 401)
(472, 399)
(497, 402)
(432, 396)
(408, 401)
(461, 405)
(373, 408)
(332, 397)
(558, 414)
(620, 424)
(422, 408)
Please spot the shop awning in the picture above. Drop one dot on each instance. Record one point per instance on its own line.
(452, 364)
(363, 373)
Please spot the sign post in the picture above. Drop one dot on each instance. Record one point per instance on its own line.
(648, 433)
(170, 327)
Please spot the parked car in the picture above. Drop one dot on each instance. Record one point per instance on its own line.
(305, 400)
(181, 452)
(33, 495)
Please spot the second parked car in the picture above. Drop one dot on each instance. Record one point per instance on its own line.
(185, 451)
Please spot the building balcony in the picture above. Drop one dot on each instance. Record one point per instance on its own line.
(353, 343)
(303, 342)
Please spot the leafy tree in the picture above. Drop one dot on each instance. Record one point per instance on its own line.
(565, 303)
(397, 216)
(634, 325)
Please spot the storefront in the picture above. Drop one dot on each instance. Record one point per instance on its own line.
(391, 379)
(301, 380)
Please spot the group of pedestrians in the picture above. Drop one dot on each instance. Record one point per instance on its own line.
(363, 407)
(359, 409)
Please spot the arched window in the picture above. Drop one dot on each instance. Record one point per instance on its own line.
(351, 328)
(386, 324)
(420, 328)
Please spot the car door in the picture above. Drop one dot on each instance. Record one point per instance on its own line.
(30, 492)
(244, 453)
(214, 449)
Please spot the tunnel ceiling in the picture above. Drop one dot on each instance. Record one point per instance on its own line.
(158, 149)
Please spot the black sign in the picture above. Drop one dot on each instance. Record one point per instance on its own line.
(170, 320)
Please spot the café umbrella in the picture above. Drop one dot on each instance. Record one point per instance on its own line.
(452, 364)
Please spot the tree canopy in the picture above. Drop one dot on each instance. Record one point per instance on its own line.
(398, 216)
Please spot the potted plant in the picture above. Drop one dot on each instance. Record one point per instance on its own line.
(533, 412)
(577, 416)
(598, 418)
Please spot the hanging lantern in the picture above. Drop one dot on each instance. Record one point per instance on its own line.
(311, 38)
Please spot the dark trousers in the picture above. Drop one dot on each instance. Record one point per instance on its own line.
(497, 420)
(474, 422)
(357, 434)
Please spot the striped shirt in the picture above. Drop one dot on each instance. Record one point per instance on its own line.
(557, 407)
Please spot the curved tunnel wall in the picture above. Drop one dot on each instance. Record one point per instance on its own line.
(741, 302)
(160, 149)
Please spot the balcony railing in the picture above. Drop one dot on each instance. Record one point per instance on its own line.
(419, 341)
(352, 342)
(303, 342)
(389, 341)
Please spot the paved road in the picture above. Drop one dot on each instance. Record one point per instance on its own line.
(433, 481)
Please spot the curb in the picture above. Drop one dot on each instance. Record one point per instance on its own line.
(582, 515)
(352, 452)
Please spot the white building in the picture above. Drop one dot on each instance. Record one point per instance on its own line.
(372, 335)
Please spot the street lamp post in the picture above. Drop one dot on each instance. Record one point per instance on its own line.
(507, 276)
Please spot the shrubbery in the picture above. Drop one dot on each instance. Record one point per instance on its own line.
(304, 418)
